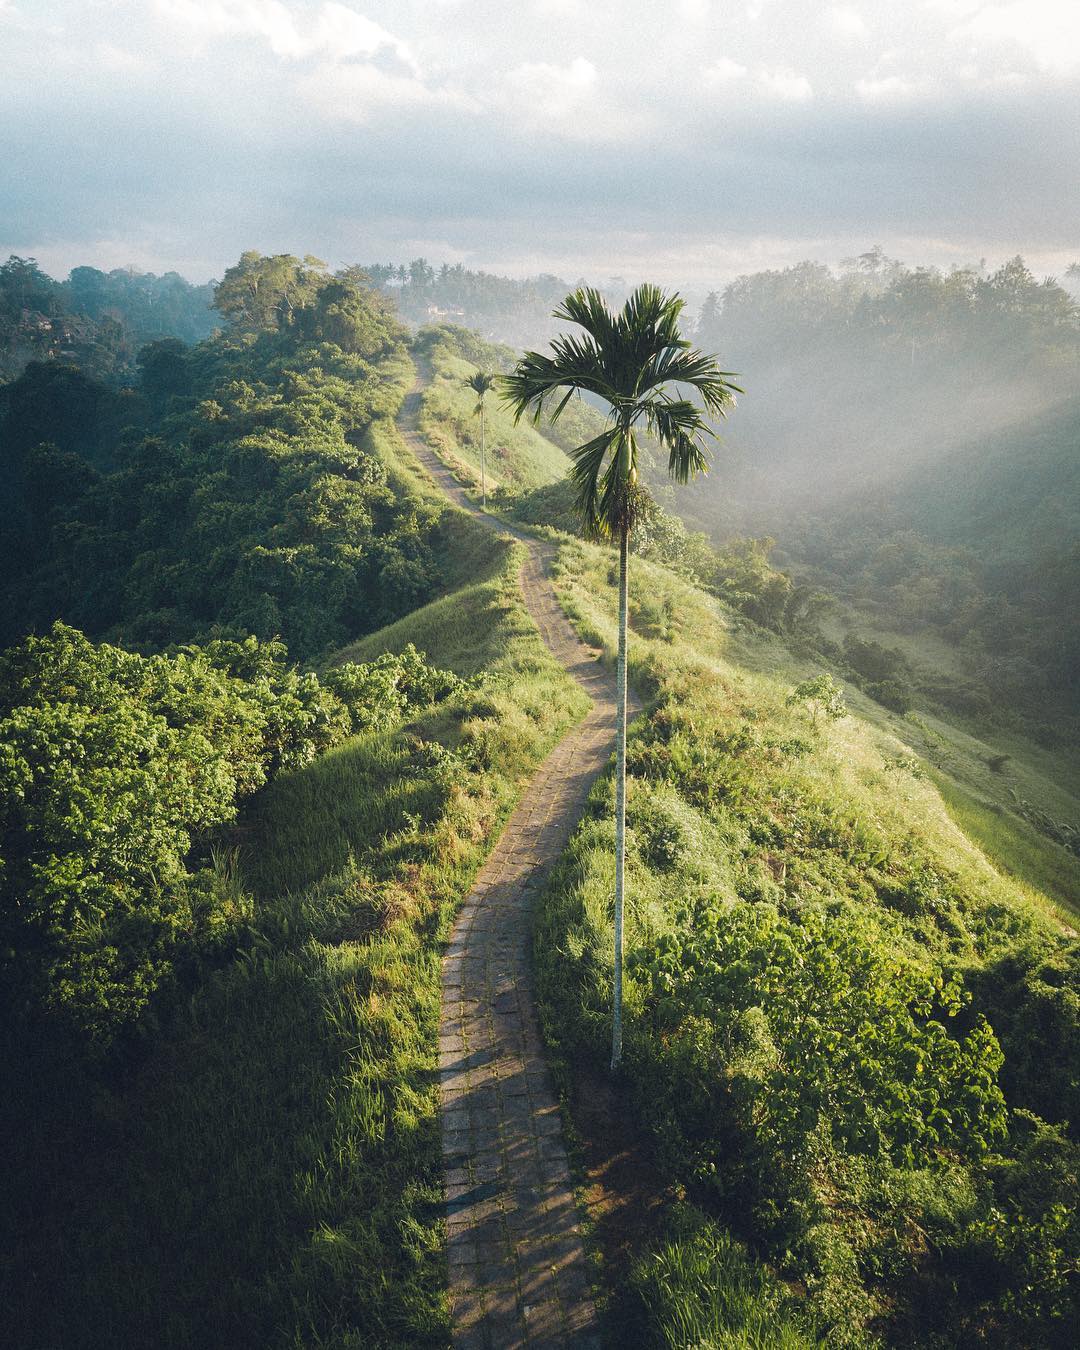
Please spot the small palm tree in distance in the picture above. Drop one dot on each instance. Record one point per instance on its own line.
(480, 384)
(640, 365)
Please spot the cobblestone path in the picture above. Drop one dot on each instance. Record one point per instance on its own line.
(516, 1262)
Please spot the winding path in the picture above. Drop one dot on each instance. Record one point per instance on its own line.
(517, 1269)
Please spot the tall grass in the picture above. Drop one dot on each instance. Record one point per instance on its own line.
(737, 798)
(703, 1289)
(266, 1170)
(518, 457)
(1017, 848)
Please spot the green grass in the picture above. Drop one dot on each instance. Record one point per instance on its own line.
(267, 1172)
(518, 457)
(703, 1289)
(1017, 848)
(735, 798)
(683, 639)
(961, 753)
(310, 824)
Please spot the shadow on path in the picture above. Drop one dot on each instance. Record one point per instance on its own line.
(516, 1262)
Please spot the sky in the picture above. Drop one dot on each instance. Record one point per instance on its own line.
(680, 141)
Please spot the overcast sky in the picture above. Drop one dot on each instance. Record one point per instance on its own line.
(679, 140)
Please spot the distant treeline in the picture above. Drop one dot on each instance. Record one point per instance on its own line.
(910, 437)
(503, 309)
(97, 320)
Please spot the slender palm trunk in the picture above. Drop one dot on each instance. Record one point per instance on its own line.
(483, 459)
(620, 802)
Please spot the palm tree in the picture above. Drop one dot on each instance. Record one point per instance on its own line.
(635, 360)
(480, 383)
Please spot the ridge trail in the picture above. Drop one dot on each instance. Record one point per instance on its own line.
(517, 1269)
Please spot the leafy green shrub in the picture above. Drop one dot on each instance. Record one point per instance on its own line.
(821, 696)
(896, 695)
(377, 693)
(805, 1037)
(1034, 994)
(664, 828)
(1005, 1241)
(112, 767)
(874, 662)
(110, 764)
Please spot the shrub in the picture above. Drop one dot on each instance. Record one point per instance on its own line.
(821, 696)
(377, 693)
(804, 1036)
(896, 695)
(112, 767)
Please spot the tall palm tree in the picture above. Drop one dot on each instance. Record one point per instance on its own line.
(480, 383)
(638, 362)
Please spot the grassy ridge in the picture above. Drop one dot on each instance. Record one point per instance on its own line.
(270, 1175)
(518, 457)
(740, 804)
(1047, 869)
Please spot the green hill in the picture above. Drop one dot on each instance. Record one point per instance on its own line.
(518, 457)
(799, 884)
(852, 1007)
(1012, 496)
(308, 1215)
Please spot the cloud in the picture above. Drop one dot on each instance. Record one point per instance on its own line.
(334, 32)
(553, 91)
(623, 138)
(565, 100)
(119, 60)
(725, 71)
(847, 21)
(784, 84)
(1047, 29)
(886, 88)
(356, 91)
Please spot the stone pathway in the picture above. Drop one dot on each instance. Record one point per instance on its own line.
(517, 1267)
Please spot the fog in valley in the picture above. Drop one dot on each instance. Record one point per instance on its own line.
(470, 876)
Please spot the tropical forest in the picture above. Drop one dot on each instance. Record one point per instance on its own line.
(539, 740)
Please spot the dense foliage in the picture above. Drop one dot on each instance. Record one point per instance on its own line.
(112, 767)
(233, 492)
(95, 319)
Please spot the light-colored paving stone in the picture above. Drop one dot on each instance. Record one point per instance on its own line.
(516, 1262)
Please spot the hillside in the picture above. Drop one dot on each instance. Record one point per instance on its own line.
(275, 1137)
(908, 440)
(275, 824)
(1010, 497)
(518, 457)
(786, 867)
(882, 856)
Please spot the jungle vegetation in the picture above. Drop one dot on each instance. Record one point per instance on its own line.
(265, 703)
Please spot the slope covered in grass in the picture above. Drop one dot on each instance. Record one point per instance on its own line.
(267, 1172)
(518, 457)
(852, 1037)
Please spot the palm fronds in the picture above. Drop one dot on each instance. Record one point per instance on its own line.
(638, 362)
